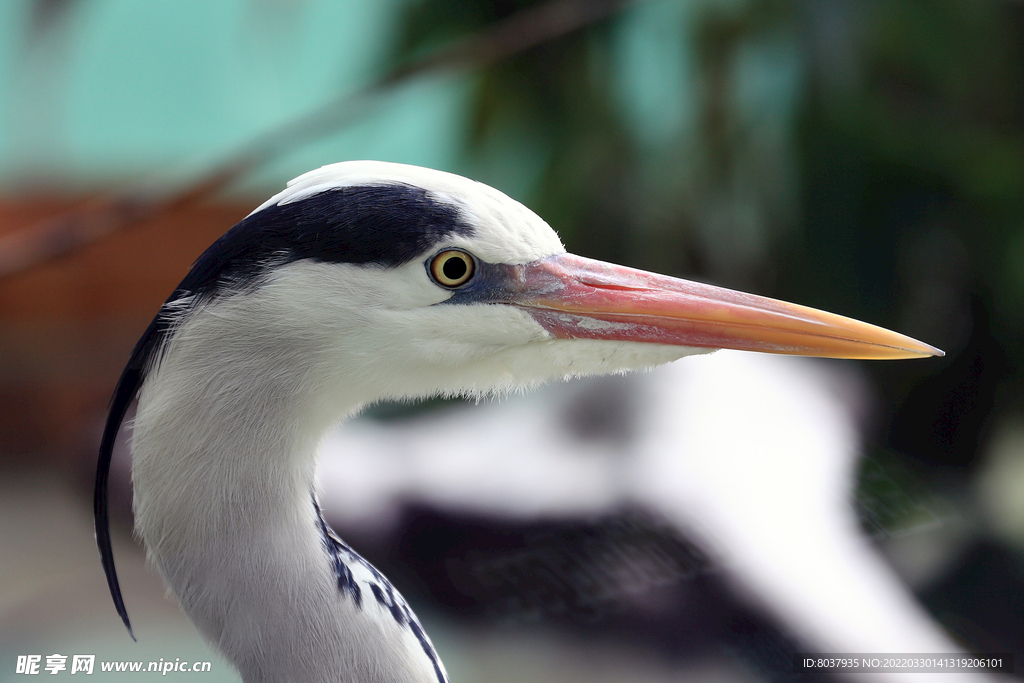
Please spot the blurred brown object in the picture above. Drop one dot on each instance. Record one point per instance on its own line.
(68, 325)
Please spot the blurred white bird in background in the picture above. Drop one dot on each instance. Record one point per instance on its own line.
(751, 456)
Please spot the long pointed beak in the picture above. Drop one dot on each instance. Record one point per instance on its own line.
(577, 298)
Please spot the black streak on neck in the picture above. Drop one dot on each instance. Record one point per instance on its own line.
(335, 547)
(383, 592)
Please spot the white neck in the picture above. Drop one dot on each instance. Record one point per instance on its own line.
(224, 469)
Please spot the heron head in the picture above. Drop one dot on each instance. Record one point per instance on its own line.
(401, 281)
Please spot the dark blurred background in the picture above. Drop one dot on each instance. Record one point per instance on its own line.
(861, 157)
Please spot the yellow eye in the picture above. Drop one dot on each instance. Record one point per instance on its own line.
(452, 268)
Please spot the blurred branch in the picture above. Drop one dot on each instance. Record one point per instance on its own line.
(55, 237)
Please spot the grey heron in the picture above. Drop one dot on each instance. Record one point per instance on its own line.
(361, 282)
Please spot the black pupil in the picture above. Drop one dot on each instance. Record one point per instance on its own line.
(454, 268)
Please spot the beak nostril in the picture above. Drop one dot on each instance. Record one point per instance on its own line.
(614, 286)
